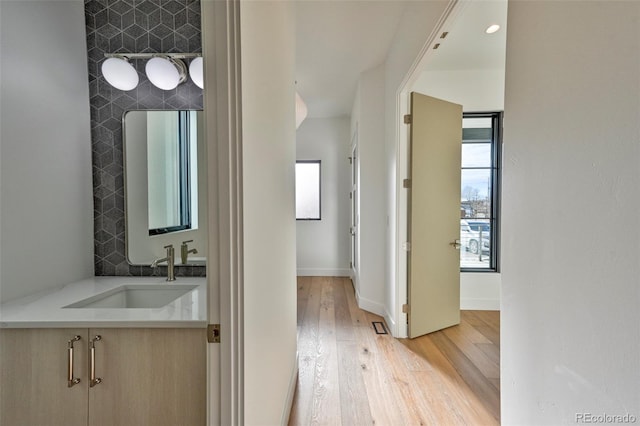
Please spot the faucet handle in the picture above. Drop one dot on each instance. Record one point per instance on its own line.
(184, 251)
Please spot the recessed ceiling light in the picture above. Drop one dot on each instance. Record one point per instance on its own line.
(492, 29)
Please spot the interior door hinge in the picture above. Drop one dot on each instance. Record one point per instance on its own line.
(406, 183)
(407, 119)
(213, 333)
(351, 159)
(351, 195)
(406, 246)
(405, 308)
(351, 265)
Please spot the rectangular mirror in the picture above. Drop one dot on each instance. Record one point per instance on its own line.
(165, 184)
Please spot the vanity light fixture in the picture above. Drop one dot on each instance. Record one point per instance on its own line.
(120, 73)
(492, 29)
(164, 70)
(196, 72)
(165, 73)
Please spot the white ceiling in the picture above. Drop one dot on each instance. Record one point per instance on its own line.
(336, 40)
(467, 46)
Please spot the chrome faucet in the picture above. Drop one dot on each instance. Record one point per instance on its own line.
(170, 259)
(184, 251)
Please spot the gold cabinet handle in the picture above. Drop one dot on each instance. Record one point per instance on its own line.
(93, 380)
(70, 379)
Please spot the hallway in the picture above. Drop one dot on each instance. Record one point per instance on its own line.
(350, 375)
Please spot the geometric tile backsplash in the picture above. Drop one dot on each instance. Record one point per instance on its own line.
(131, 26)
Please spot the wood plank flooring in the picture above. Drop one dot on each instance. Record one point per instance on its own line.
(349, 375)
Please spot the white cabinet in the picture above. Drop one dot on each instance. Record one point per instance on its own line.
(148, 377)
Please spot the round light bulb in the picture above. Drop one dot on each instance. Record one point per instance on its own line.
(120, 73)
(165, 73)
(195, 72)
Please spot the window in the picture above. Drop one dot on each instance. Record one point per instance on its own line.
(172, 171)
(308, 190)
(480, 195)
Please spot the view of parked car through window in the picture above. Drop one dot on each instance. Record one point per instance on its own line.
(475, 235)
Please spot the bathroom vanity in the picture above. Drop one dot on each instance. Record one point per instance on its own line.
(70, 358)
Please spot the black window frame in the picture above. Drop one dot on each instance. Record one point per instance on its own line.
(496, 185)
(319, 162)
(183, 139)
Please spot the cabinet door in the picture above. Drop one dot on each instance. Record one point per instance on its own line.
(33, 377)
(149, 377)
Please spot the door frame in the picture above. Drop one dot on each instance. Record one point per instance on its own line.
(222, 106)
(397, 321)
(355, 210)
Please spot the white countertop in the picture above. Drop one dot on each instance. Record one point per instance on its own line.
(46, 309)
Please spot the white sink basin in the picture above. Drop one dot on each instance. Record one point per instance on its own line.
(135, 296)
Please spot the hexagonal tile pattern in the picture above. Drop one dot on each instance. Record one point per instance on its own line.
(121, 26)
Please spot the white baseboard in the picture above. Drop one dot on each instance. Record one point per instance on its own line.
(293, 383)
(391, 323)
(370, 305)
(320, 272)
(480, 304)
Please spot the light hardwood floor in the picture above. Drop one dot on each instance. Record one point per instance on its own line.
(349, 375)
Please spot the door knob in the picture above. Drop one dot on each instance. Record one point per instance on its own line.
(456, 244)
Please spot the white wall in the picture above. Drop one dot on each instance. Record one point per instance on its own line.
(477, 90)
(480, 291)
(46, 221)
(323, 247)
(571, 247)
(268, 152)
(366, 117)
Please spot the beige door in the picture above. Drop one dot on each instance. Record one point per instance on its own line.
(434, 215)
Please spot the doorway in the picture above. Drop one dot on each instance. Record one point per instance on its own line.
(467, 68)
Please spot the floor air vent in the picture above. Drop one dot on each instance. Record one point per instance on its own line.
(379, 327)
